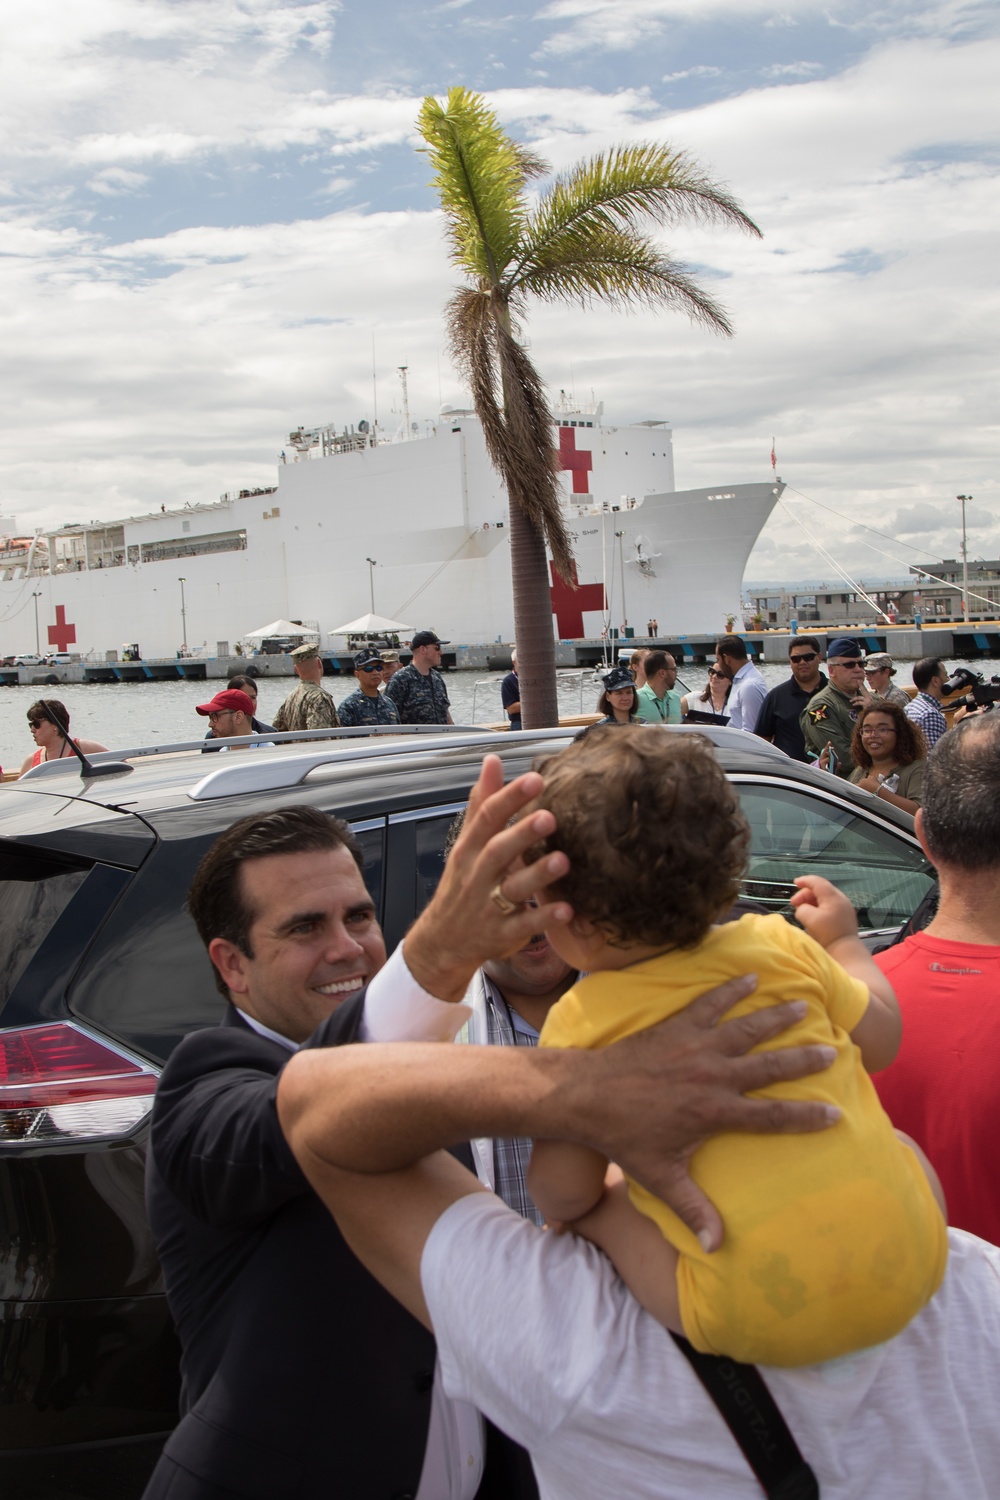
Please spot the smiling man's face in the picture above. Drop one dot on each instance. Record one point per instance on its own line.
(314, 940)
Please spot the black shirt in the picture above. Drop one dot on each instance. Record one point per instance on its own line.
(779, 716)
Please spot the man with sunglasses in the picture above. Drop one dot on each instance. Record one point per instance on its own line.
(368, 705)
(778, 720)
(829, 717)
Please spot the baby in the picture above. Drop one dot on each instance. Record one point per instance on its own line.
(833, 1241)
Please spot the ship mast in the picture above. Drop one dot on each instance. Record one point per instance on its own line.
(406, 402)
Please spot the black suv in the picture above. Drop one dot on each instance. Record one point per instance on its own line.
(102, 974)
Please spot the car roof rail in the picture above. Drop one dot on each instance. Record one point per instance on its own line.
(272, 774)
(67, 766)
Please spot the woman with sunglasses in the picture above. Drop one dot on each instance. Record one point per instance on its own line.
(889, 753)
(712, 698)
(47, 719)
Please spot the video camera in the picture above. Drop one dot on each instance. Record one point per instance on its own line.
(981, 694)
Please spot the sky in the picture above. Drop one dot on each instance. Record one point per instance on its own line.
(215, 226)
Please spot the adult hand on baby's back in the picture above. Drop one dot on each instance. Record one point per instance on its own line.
(662, 1093)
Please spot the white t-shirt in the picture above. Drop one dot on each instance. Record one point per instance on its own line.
(552, 1347)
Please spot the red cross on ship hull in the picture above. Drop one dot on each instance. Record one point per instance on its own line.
(61, 635)
(568, 604)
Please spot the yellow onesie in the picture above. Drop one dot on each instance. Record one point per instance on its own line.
(834, 1240)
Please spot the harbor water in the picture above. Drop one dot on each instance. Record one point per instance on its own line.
(129, 715)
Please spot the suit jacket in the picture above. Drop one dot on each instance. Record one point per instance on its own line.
(301, 1376)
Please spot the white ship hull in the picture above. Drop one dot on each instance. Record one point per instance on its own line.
(432, 514)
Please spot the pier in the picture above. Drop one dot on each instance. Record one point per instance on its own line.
(976, 641)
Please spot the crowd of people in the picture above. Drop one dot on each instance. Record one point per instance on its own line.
(725, 1184)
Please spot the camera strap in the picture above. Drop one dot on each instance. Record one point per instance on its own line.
(752, 1416)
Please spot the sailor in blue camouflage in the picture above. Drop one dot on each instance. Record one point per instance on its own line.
(418, 691)
(367, 706)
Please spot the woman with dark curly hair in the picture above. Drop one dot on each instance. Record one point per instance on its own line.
(889, 753)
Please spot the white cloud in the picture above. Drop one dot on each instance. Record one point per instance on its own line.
(791, 70)
(169, 368)
(702, 70)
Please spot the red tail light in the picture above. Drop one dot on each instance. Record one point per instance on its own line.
(59, 1082)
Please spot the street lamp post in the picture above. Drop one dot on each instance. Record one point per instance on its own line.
(38, 647)
(184, 628)
(965, 562)
(371, 579)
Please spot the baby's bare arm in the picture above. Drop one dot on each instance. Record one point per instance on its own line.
(565, 1180)
(828, 916)
(645, 1261)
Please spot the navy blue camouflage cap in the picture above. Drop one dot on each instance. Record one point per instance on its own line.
(618, 677)
(367, 658)
(844, 648)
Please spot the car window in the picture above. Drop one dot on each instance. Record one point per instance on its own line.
(35, 889)
(431, 834)
(794, 832)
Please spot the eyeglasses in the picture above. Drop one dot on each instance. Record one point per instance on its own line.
(877, 729)
(714, 672)
(809, 656)
(377, 666)
(222, 713)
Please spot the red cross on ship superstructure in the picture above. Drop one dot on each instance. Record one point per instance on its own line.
(568, 604)
(62, 635)
(578, 460)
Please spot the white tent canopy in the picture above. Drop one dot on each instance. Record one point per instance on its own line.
(278, 628)
(372, 625)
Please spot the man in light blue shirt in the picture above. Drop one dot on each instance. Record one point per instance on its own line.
(658, 703)
(749, 688)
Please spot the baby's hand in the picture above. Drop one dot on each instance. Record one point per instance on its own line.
(824, 912)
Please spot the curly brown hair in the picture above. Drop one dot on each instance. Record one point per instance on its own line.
(910, 742)
(653, 830)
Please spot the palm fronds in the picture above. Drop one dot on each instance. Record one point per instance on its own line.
(480, 175)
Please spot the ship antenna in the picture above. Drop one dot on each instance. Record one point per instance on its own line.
(406, 400)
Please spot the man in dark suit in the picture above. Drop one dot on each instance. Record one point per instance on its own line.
(301, 1376)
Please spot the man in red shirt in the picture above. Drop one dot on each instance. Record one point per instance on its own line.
(943, 1087)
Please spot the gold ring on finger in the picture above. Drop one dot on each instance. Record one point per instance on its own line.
(502, 902)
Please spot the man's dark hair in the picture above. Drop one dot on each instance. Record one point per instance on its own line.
(731, 645)
(805, 640)
(56, 710)
(216, 900)
(926, 669)
(655, 662)
(962, 795)
(653, 830)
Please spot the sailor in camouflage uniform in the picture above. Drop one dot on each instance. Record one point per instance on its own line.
(368, 705)
(308, 706)
(418, 691)
(830, 716)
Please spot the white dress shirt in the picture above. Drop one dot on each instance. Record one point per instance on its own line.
(746, 698)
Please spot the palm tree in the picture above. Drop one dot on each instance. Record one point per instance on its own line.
(581, 241)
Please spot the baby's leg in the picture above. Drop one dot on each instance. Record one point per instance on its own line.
(645, 1261)
(932, 1176)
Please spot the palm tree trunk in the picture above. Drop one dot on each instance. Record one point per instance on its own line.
(536, 652)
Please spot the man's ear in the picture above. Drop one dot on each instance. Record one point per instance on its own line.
(231, 963)
(919, 830)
